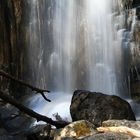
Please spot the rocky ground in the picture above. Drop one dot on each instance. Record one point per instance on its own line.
(96, 116)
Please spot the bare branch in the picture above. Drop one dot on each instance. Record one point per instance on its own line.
(38, 90)
(7, 98)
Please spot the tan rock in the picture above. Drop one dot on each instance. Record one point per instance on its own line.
(77, 130)
(120, 129)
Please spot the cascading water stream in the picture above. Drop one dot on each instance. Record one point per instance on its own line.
(76, 44)
(86, 48)
(99, 44)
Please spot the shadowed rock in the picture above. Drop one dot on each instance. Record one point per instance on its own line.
(98, 107)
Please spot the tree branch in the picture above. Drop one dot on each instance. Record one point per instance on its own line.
(38, 90)
(7, 98)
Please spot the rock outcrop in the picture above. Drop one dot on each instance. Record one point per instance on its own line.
(79, 130)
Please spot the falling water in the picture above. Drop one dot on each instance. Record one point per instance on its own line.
(86, 48)
(77, 44)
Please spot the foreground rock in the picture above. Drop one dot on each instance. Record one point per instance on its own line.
(5, 135)
(98, 107)
(12, 120)
(108, 136)
(130, 124)
(76, 130)
(130, 128)
(84, 130)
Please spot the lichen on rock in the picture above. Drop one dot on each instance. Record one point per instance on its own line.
(77, 130)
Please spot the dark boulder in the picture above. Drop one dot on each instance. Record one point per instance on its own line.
(98, 107)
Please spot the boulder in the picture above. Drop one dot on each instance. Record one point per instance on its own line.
(97, 107)
(5, 135)
(10, 137)
(108, 136)
(76, 130)
(130, 124)
(12, 120)
(39, 132)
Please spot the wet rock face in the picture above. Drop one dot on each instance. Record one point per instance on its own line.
(136, 3)
(98, 107)
(125, 4)
(10, 48)
(128, 4)
(14, 20)
(135, 60)
(138, 12)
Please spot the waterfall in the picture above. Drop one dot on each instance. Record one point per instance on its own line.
(100, 47)
(77, 44)
(87, 51)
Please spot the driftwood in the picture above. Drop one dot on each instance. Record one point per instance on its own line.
(38, 90)
(120, 129)
(22, 108)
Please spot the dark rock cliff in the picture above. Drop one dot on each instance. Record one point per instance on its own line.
(135, 55)
(12, 42)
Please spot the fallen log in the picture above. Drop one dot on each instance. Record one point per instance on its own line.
(120, 129)
(38, 90)
(22, 108)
